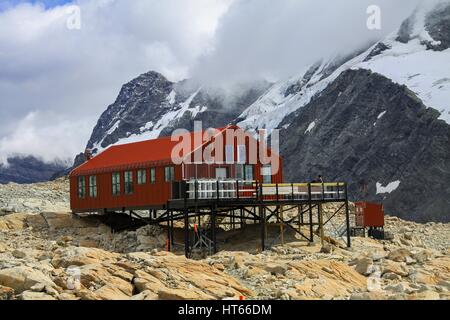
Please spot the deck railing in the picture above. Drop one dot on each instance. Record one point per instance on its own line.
(207, 189)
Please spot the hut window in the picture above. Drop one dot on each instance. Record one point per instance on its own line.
(93, 186)
(240, 172)
(142, 176)
(169, 173)
(129, 182)
(116, 184)
(152, 175)
(229, 154)
(249, 173)
(242, 154)
(266, 173)
(81, 187)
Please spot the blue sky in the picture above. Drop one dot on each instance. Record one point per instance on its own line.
(47, 3)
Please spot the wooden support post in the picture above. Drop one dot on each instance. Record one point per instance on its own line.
(186, 233)
(301, 214)
(169, 233)
(171, 230)
(242, 218)
(311, 230)
(282, 224)
(213, 228)
(347, 217)
(262, 218)
(321, 223)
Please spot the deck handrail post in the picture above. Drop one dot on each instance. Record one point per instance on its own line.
(196, 190)
(311, 229)
(323, 191)
(278, 196)
(347, 217)
(237, 189)
(217, 190)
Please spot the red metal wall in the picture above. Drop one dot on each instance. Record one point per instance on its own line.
(145, 195)
(369, 214)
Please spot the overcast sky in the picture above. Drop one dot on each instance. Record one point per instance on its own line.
(56, 81)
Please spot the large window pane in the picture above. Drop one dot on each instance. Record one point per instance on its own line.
(116, 184)
(169, 174)
(81, 187)
(142, 176)
(242, 154)
(152, 175)
(229, 154)
(266, 172)
(129, 182)
(249, 176)
(93, 186)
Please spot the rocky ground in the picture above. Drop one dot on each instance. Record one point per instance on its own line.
(52, 255)
(35, 198)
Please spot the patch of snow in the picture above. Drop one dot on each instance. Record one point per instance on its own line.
(391, 187)
(146, 127)
(171, 97)
(270, 109)
(429, 79)
(163, 122)
(310, 127)
(381, 115)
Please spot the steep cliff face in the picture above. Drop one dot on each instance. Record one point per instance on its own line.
(378, 136)
(150, 106)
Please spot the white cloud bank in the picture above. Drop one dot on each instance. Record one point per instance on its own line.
(55, 82)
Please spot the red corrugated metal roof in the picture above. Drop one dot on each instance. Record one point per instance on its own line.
(133, 155)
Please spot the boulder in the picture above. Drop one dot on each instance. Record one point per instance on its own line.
(365, 266)
(31, 295)
(394, 267)
(275, 268)
(6, 293)
(145, 295)
(79, 256)
(182, 294)
(23, 278)
(399, 255)
(58, 220)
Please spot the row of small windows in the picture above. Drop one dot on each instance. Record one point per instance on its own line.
(169, 176)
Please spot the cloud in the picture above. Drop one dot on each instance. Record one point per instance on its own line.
(55, 82)
(46, 68)
(277, 39)
(55, 141)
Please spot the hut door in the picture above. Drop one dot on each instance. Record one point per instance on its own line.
(221, 173)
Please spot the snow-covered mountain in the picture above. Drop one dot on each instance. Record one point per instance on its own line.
(417, 55)
(150, 106)
(29, 169)
(379, 118)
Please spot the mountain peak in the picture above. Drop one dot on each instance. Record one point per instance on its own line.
(430, 25)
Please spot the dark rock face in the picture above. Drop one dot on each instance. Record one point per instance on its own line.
(404, 34)
(153, 103)
(378, 49)
(28, 170)
(140, 101)
(369, 130)
(438, 26)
